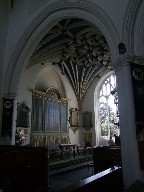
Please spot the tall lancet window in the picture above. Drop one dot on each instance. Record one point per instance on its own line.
(108, 109)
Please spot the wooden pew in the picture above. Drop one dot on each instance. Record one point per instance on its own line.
(108, 180)
(106, 157)
(23, 168)
(107, 172)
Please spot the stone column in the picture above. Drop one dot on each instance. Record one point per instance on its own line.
(129, 145)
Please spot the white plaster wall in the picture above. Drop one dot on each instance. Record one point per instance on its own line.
(4, 21)
(47, 78)
(115, 9)
(35, 5)
(18, 21)
(88, 105)
(3, 36)
(74, 137)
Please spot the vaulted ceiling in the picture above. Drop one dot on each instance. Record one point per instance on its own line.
(78, 48)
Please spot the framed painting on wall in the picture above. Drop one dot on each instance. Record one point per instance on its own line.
(73, 119)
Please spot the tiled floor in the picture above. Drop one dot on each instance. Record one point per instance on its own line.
(65, 179)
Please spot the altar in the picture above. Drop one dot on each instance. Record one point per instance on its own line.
(68, 149)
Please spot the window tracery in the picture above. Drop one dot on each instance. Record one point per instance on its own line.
(108, 108)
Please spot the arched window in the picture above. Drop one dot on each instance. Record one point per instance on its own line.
(108, 108)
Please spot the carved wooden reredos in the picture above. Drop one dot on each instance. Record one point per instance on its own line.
(49, 118)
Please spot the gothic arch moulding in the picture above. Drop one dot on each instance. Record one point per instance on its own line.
(133, 28)
(43, 22)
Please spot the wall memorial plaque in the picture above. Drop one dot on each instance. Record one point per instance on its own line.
(87, 120)
(7, 116)
(22, 115)
(73, 119)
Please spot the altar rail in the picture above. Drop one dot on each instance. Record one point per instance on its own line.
(23, 168)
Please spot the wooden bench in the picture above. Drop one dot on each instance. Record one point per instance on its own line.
(107, 180)
(106, 157)
(23, 167)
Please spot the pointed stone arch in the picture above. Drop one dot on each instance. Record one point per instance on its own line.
(44, 21)
(133, 28)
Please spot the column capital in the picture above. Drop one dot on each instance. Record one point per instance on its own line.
(124, 60)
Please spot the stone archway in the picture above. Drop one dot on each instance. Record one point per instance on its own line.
(133, 27)
(46, 20)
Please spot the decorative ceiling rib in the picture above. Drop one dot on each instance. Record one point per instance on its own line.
(78, 48)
